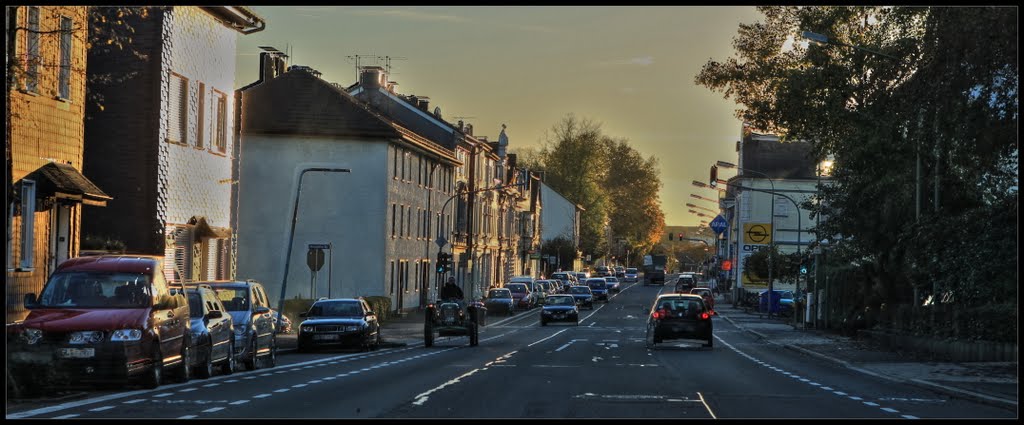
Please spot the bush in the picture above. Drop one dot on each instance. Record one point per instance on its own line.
(381, 306)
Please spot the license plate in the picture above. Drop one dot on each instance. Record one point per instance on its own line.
(325, 337)
(559, 316)
(76, 353)
(683, 328)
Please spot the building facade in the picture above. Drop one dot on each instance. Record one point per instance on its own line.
(163, 138)
(46, 103)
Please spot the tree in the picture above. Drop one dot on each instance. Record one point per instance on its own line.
(950, 95)
(632, 184)
(561, 247)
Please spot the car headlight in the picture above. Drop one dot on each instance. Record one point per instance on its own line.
(307, 328)
(85, 337)
(351, 328)
(126, 335)
(240, 330)
(546, 311)
(31, 336)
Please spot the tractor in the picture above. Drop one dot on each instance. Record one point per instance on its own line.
(450, 318)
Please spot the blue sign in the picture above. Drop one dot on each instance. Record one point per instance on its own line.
(719, 224)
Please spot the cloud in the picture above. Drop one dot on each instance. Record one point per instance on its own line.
(641, 61)
(410, 15)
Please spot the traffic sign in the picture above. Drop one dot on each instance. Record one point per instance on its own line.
(441, 241)
(315, 259)
(319, 246)
(719, 224)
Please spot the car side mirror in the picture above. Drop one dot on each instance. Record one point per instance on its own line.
(262, 310)
(369, 313)
(30, 301)
(303, 314)
(214, 314)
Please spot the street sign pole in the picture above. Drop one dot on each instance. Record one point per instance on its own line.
(330, 266)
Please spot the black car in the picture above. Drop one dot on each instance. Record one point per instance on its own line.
(213, 334)
(599, 287)
(560, 308)
(584, 297)
(679, 316)
(499, 300)
(255, 330)
(346, 322)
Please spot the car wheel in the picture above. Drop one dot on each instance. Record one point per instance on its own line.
(251, 363)
(711, 343)
(474, 334)
(185, 370)
(428, 331)
(205, 370)
(229, 364)
(543, 322)
(155, 376)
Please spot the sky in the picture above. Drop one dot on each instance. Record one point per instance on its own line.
(631, 69)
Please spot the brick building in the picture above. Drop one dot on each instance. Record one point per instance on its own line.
(45, 110)
(163, 138)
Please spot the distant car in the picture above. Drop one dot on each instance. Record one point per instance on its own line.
(709, 297)
(347, 322)
(581, 277)
(560, 308)
(620, 272)
(603, 271)
(584, 297)
(565, 281)
(213, 333)
(685, 283)
(499, 300)
(109, 318)
(630, 275)
(521, 294)
(679, 316)
(255, 327)
(599, 287)
(613, 284)
(284, 324)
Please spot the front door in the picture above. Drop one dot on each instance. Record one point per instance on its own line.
(60, 246)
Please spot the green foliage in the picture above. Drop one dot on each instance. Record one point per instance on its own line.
(944, 89)
(380, 305)
(561, 247)
(102, 243)
(784, 267)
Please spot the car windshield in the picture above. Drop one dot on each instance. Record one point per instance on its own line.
(499, 293)
(631, 271)
(690, 307)
(517, 288)
(336, 309)
(579, 290)
(96, 290)
(610, 279)
(234, 299)
(561, 300)
(593, 283)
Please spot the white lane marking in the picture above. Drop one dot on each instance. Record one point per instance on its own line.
(545, 339)
(138, 400)
(240, 402)
(814, 383)
(299, 385)
(910, 417)
(249, 377)
(855, 398)
(100, 409)
(890, 410)
(211, 385)
(213, 409)
(566, 345)
(265, 374)
(315, 381)
(187, 417)
(423, 397)
(163, 395)
(66, 416)
(188, 390)
(706, 405)
(282, 390)
(872, 404)
(592, 324)
(838, 393)
(827, 388)
(231, 380)
(262, 396)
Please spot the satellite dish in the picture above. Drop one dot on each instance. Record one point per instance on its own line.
(437, 112)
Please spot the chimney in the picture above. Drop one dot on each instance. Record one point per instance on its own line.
(469, 129)
(268, 66)
(423, 103)
(391, 86)
(372, 77)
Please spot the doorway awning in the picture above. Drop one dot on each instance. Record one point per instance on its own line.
(205, 230)
(63, 181)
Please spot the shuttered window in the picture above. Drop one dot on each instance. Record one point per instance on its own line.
(220, 122)
(64, 83)
(28, 218)
(200, 135)
(32, 56)
(177, 111)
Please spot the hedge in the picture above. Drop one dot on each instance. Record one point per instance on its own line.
(379, 304)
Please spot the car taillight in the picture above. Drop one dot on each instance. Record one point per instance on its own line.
(705, 315)
(655, 315)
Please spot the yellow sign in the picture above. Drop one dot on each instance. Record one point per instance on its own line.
(757, 233)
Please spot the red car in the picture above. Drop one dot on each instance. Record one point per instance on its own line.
(102, 318)
(522, 297)
(707, 295)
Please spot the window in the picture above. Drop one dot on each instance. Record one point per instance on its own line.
(177, 120)
(394, 218)
(32, 56)
(401, 221)
(201, 116)
(220, 122)
(394, 167)
(28, 210)
(64, 83)
(403, 165)
(408, 223)
(392, 276)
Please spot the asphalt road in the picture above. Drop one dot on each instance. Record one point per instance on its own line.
(599, 369)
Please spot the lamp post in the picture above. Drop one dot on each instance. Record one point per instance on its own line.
(771, 253)
(691, 205)
(823, 169)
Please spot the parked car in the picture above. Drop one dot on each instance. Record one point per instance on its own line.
(346, 322)
(521, 294)
(599, 287)
(620, 272)
(583, 296)
(602, 271)
(564, 279)
(630, 275)
(581, 278)
(102, 318)
(613, 284)
(679, 316)
(255, 330)
(213, 333)
(707, 295)
(499, 300)
(560, 308)
(283, 324)
(685, 283)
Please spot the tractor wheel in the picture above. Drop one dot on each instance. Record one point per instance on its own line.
(428, 330)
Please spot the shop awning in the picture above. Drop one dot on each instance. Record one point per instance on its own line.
(66, 182)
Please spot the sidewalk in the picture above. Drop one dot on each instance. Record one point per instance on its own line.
(993, 383)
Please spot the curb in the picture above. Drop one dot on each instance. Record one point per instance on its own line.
(920, 383)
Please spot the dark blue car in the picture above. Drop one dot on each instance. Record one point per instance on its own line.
(583, 296)
(599, 287)
(213, 334)
(560, 308)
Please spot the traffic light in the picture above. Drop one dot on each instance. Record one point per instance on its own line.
(682, 235)
(670, 235)
(440, 261)
(714, 175)
(447, 262)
